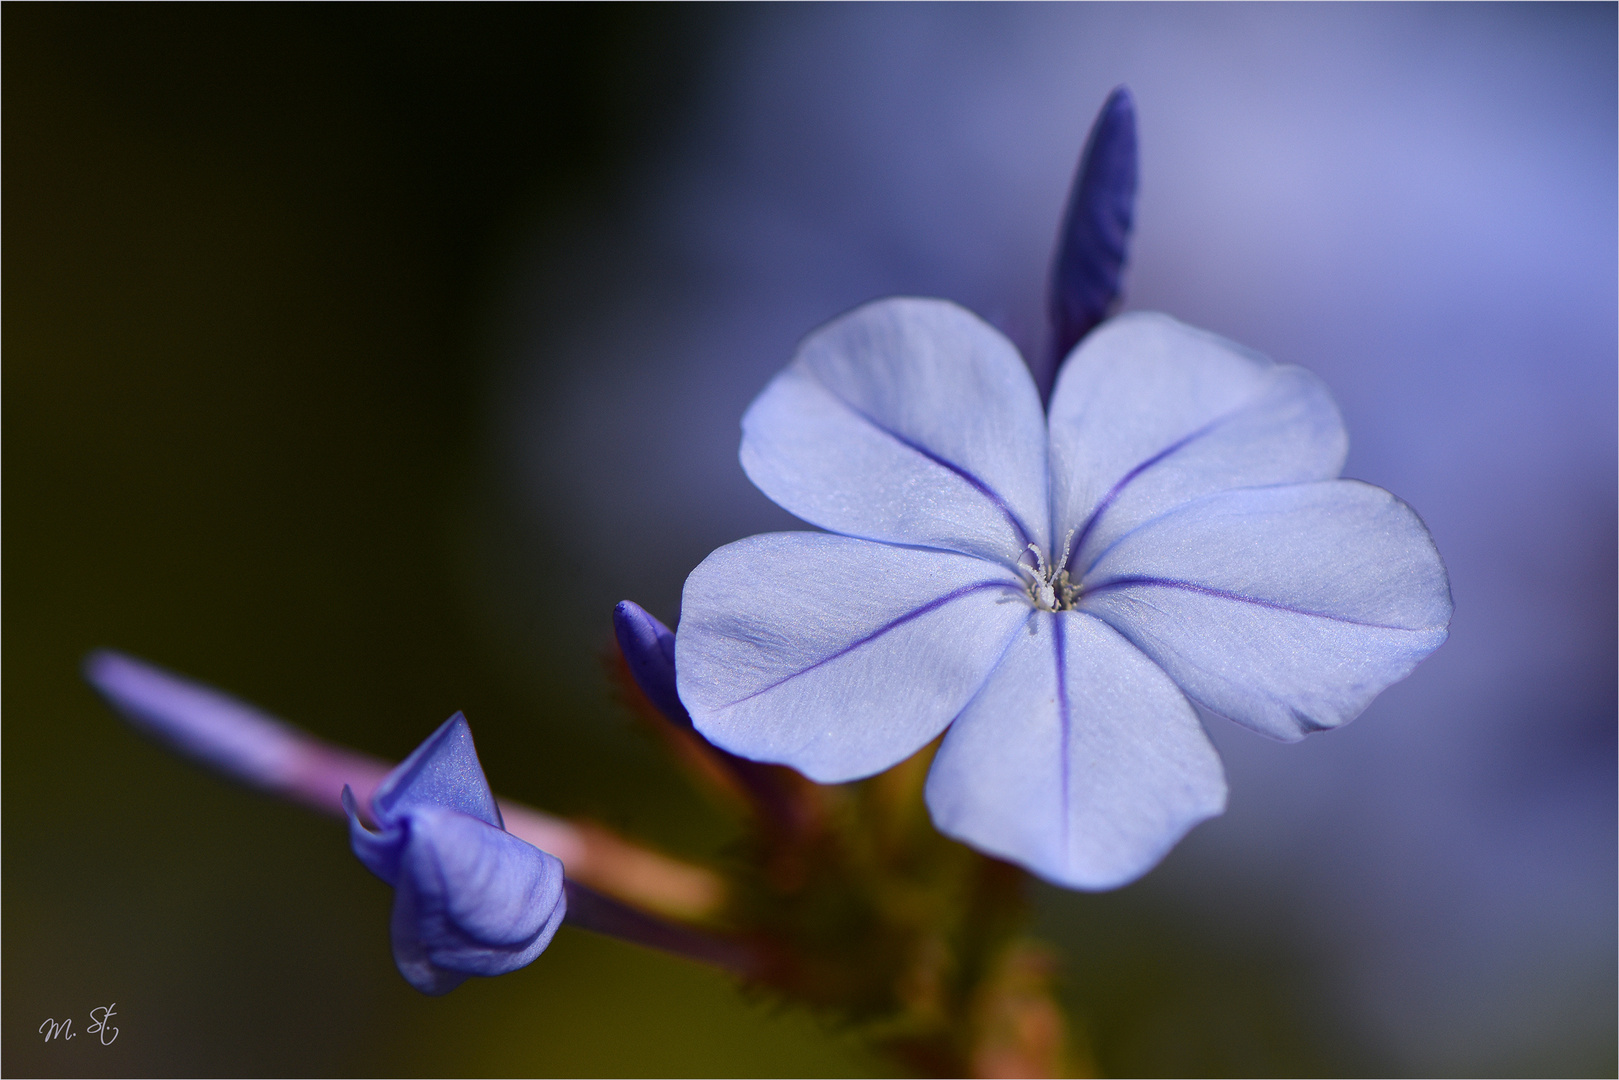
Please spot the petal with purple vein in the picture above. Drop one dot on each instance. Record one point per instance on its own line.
(1078, 759)
(1286, 609)
(906, 421)
(839, 657)
(1149, 414)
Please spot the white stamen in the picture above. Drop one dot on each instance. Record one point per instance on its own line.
(1039, 560)
(1049, 587)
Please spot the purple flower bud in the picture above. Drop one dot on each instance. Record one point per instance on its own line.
(649, 650)
(1087, 274)
(469, 898)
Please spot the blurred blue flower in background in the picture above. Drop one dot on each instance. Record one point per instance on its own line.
(469, 897)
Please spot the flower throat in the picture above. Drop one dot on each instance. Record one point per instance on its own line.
(1049, 587)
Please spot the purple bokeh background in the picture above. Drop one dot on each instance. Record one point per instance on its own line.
(1416, 203)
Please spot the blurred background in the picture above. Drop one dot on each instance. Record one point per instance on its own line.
(358, 359)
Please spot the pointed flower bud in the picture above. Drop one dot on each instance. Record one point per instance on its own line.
(469, 898)
(649, 650)
(1087, 274)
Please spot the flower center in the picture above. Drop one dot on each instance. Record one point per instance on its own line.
(1049, 587)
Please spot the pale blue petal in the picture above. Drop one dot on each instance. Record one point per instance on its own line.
(1150, 413)
(909, 421)
(839, 657)
(470, 900)
(1286, 609)
(1078, 759)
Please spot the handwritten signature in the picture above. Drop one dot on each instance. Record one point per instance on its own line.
(99, 1026)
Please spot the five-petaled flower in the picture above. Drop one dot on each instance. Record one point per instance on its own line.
(469, 897)
(1063, 588)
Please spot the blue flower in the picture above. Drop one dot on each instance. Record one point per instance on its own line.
(469, 898)
(1063, 589)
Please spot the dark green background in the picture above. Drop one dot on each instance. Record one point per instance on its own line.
(250, 256)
